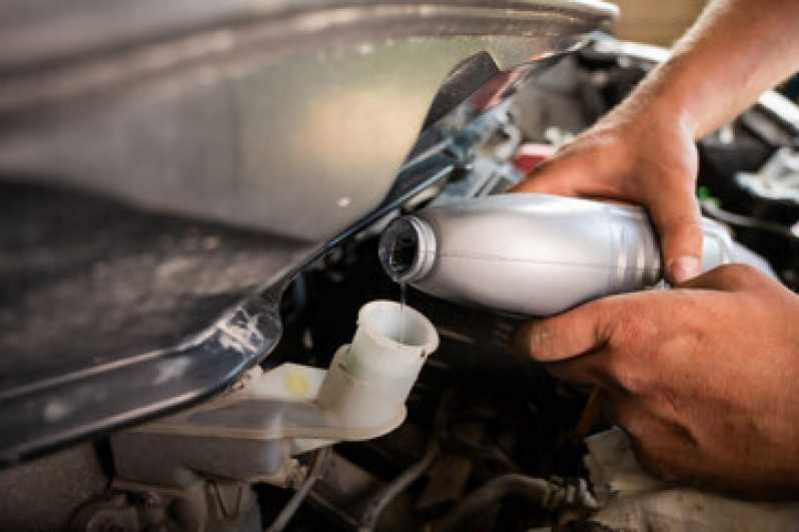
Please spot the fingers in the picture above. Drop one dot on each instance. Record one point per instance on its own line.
(603, 163)
(679, 225)
(568, 335)
(549, 178)
(673, 210)
(588, 369)
(608, 342)
(593, 165)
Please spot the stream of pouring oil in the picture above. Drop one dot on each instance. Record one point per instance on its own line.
(403, 291)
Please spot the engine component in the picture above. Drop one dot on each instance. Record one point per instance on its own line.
(490, 251)
(317, 470)
(778, 179)
(42, 495)
(509, 425)
(634, 500)
(209, 505)
(551, 495)
(251, 433)
(385, 496)
(295, 408)
(158, 113)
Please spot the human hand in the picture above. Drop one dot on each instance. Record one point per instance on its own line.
(639, 155)
(704, 378)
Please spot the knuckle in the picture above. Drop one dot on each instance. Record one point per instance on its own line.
(615, 365)
(627, 377)
(632, 381)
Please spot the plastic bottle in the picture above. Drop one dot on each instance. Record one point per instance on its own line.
(532, 254)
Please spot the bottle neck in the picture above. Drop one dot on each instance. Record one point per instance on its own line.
(407, 249)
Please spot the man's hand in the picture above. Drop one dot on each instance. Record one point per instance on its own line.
(642, 158)
(704, 378)
(643, 152)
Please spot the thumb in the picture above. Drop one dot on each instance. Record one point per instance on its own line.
(579, 331)
(679, 226)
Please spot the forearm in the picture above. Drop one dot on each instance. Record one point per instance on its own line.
(735, 51)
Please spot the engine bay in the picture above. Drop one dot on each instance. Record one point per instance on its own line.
(491, 442)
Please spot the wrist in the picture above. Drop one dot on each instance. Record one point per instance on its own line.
(667, 100)
(651, 121)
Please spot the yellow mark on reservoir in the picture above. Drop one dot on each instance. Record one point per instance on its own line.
(296, 382)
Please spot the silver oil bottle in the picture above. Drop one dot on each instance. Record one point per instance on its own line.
(532, 254)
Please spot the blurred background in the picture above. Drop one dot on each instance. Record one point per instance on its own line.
(655, 21)
(662, 23)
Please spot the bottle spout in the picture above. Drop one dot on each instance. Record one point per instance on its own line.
(407, 249)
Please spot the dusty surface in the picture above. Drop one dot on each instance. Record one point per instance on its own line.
(87, 281)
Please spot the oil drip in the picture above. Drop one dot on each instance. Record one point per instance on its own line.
(403, 292)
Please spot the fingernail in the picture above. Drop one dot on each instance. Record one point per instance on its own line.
(524, 341)
(684, 269)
